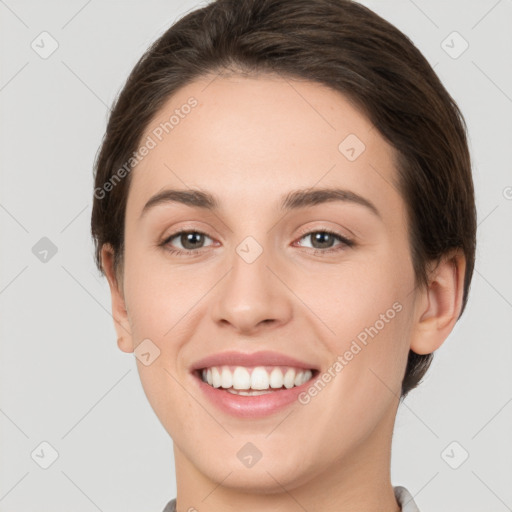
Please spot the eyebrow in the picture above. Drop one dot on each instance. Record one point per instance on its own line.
(291, 201)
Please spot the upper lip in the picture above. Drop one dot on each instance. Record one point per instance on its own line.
(262, 358)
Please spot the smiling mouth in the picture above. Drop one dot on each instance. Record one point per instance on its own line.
(253, 381)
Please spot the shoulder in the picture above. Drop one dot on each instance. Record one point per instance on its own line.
(171, 506)
(404, 498)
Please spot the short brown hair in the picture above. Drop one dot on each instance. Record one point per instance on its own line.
(340, 44)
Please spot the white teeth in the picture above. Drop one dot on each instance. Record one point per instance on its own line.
(226, 378)
(276, 378)
(259, 378)
(258, 381)
(241, 378)
(289, 378)
(216, 378)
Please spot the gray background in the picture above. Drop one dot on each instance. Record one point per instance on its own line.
(63, 379)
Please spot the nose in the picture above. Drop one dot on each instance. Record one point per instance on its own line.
(253, 296)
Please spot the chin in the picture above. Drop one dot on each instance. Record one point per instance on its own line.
(261, 478)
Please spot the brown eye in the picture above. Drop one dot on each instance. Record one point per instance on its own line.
(325, 239)
(190, 241)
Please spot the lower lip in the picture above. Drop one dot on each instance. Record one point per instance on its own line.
(256, 406)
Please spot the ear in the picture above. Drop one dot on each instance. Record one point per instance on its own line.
(439, 304)
(119, 311)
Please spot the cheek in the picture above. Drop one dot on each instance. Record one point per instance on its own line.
(159, 293)
(363, 379)
(351, 296)
(367, 307)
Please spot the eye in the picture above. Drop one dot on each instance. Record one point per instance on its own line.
(322, 240)
(191, 242)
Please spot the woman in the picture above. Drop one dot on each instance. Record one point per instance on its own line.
(284, 211)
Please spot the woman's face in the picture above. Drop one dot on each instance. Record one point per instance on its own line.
(266, 277)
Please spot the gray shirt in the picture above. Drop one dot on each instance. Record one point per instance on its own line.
(403, 496)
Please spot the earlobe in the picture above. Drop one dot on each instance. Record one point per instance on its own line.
(441, 303)
(119, 311)
(125, 344)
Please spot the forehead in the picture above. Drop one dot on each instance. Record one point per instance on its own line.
(248, 140)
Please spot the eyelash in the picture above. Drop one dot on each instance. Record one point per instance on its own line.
(192, 252)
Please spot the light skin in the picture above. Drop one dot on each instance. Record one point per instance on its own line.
(249, 142)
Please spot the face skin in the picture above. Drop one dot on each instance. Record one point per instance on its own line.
(248, 142)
